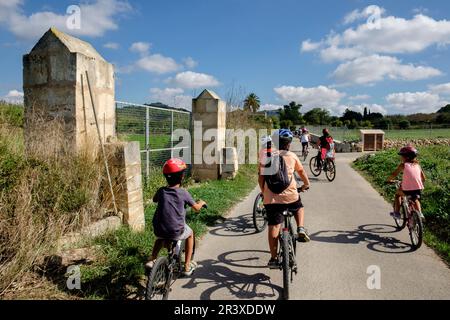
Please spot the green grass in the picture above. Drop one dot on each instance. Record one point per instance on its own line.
(435, 160)
(352, 135)
(124, 253)
(157, 141)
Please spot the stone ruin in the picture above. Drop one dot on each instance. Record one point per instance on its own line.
(209, 116)
(56, 74)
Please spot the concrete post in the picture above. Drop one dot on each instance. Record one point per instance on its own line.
(208, 116)
(55, 88)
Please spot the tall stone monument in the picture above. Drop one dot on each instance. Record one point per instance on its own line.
(209, 123)
(56, 88)
(65, 80)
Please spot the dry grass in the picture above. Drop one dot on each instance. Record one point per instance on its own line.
(44, 193)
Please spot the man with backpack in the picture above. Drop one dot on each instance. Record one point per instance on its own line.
(279, 188)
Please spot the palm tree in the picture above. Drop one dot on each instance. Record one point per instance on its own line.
(252, 103)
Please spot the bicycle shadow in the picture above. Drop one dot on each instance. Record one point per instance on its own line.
(224, 281)
(235, 227)
(365, 234)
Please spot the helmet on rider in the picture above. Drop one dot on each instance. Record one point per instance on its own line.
(326, 132)
(283, 138)
(174, 170)
(304, 130)
(409, 152)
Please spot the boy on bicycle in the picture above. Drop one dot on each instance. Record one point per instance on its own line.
(413, 180)
(289, 199)
(324, 145)
(305, 139)
(169, 222)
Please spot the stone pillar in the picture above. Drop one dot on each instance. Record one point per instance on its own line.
(55, 88)
(126, 170)
(208, 112)
(230, 166)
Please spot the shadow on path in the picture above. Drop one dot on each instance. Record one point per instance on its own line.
(237, 284)
(370, 234)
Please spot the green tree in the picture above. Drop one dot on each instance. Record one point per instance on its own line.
(292, 112)
(286, 124)
(445, 109)
(404, 124)
(252, 103)
(317, 116)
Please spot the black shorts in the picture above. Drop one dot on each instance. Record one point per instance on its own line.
(275, 211)
(305, 144)
(414, 194)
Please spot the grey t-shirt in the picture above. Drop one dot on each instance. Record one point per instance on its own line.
(170, 215)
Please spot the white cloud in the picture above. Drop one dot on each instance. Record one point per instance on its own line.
(308, 46)
(394, 36)
(111, 45)
(443, 89)
(334, 53)
(356, 15)
(97, 17)
(359, 97)
(157, 63)
(375, 68)
(316, 97)
(142, 48)
(270, 107)
(414, 102)
(194, 80)
(190, 63)
(373, 107)
(14, 96)
(173, 97)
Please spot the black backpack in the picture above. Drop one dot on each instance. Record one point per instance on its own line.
(276, 175)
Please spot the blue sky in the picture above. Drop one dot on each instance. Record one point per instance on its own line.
(391, 56)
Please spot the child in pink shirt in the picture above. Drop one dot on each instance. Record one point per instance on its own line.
(413, 179)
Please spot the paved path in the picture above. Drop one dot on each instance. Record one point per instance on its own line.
(350, 231)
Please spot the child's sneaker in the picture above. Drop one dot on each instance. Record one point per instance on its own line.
(273, 264)
(395, 215)
(192, 268)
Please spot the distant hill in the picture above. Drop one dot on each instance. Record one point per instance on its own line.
(165, 106)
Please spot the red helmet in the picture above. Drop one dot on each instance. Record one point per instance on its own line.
(174, 166)
(409, 152)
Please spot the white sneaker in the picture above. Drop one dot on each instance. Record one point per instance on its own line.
(192, 268)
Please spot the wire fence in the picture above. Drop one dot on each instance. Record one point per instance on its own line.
(153, 128)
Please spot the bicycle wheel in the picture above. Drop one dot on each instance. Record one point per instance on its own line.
(401, 223)
(305, 155)
(259, 214)
(285, 264)
(315, 170)
(158, 284)
(331, 171)
(416, 231)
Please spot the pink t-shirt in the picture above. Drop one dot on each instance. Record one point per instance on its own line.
(412, 177)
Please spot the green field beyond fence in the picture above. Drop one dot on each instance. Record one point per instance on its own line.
(344, 134)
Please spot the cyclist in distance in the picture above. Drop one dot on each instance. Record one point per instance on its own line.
(324, 145)
(279, 188)
(305, 140)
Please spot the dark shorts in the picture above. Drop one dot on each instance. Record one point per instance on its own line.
(414, 194)
(275, 211)
(305, 144)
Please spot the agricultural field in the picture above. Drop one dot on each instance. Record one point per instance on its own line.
(352, 135)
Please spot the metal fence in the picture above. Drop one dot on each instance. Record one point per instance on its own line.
(153, 128)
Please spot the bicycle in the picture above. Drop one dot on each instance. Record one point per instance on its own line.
(259, 214)
(167, 270)
(305, 154)
(409, 216)
(328, 166)
(287, 250)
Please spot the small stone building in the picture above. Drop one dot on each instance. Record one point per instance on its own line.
(372, 140)
(55, 88)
